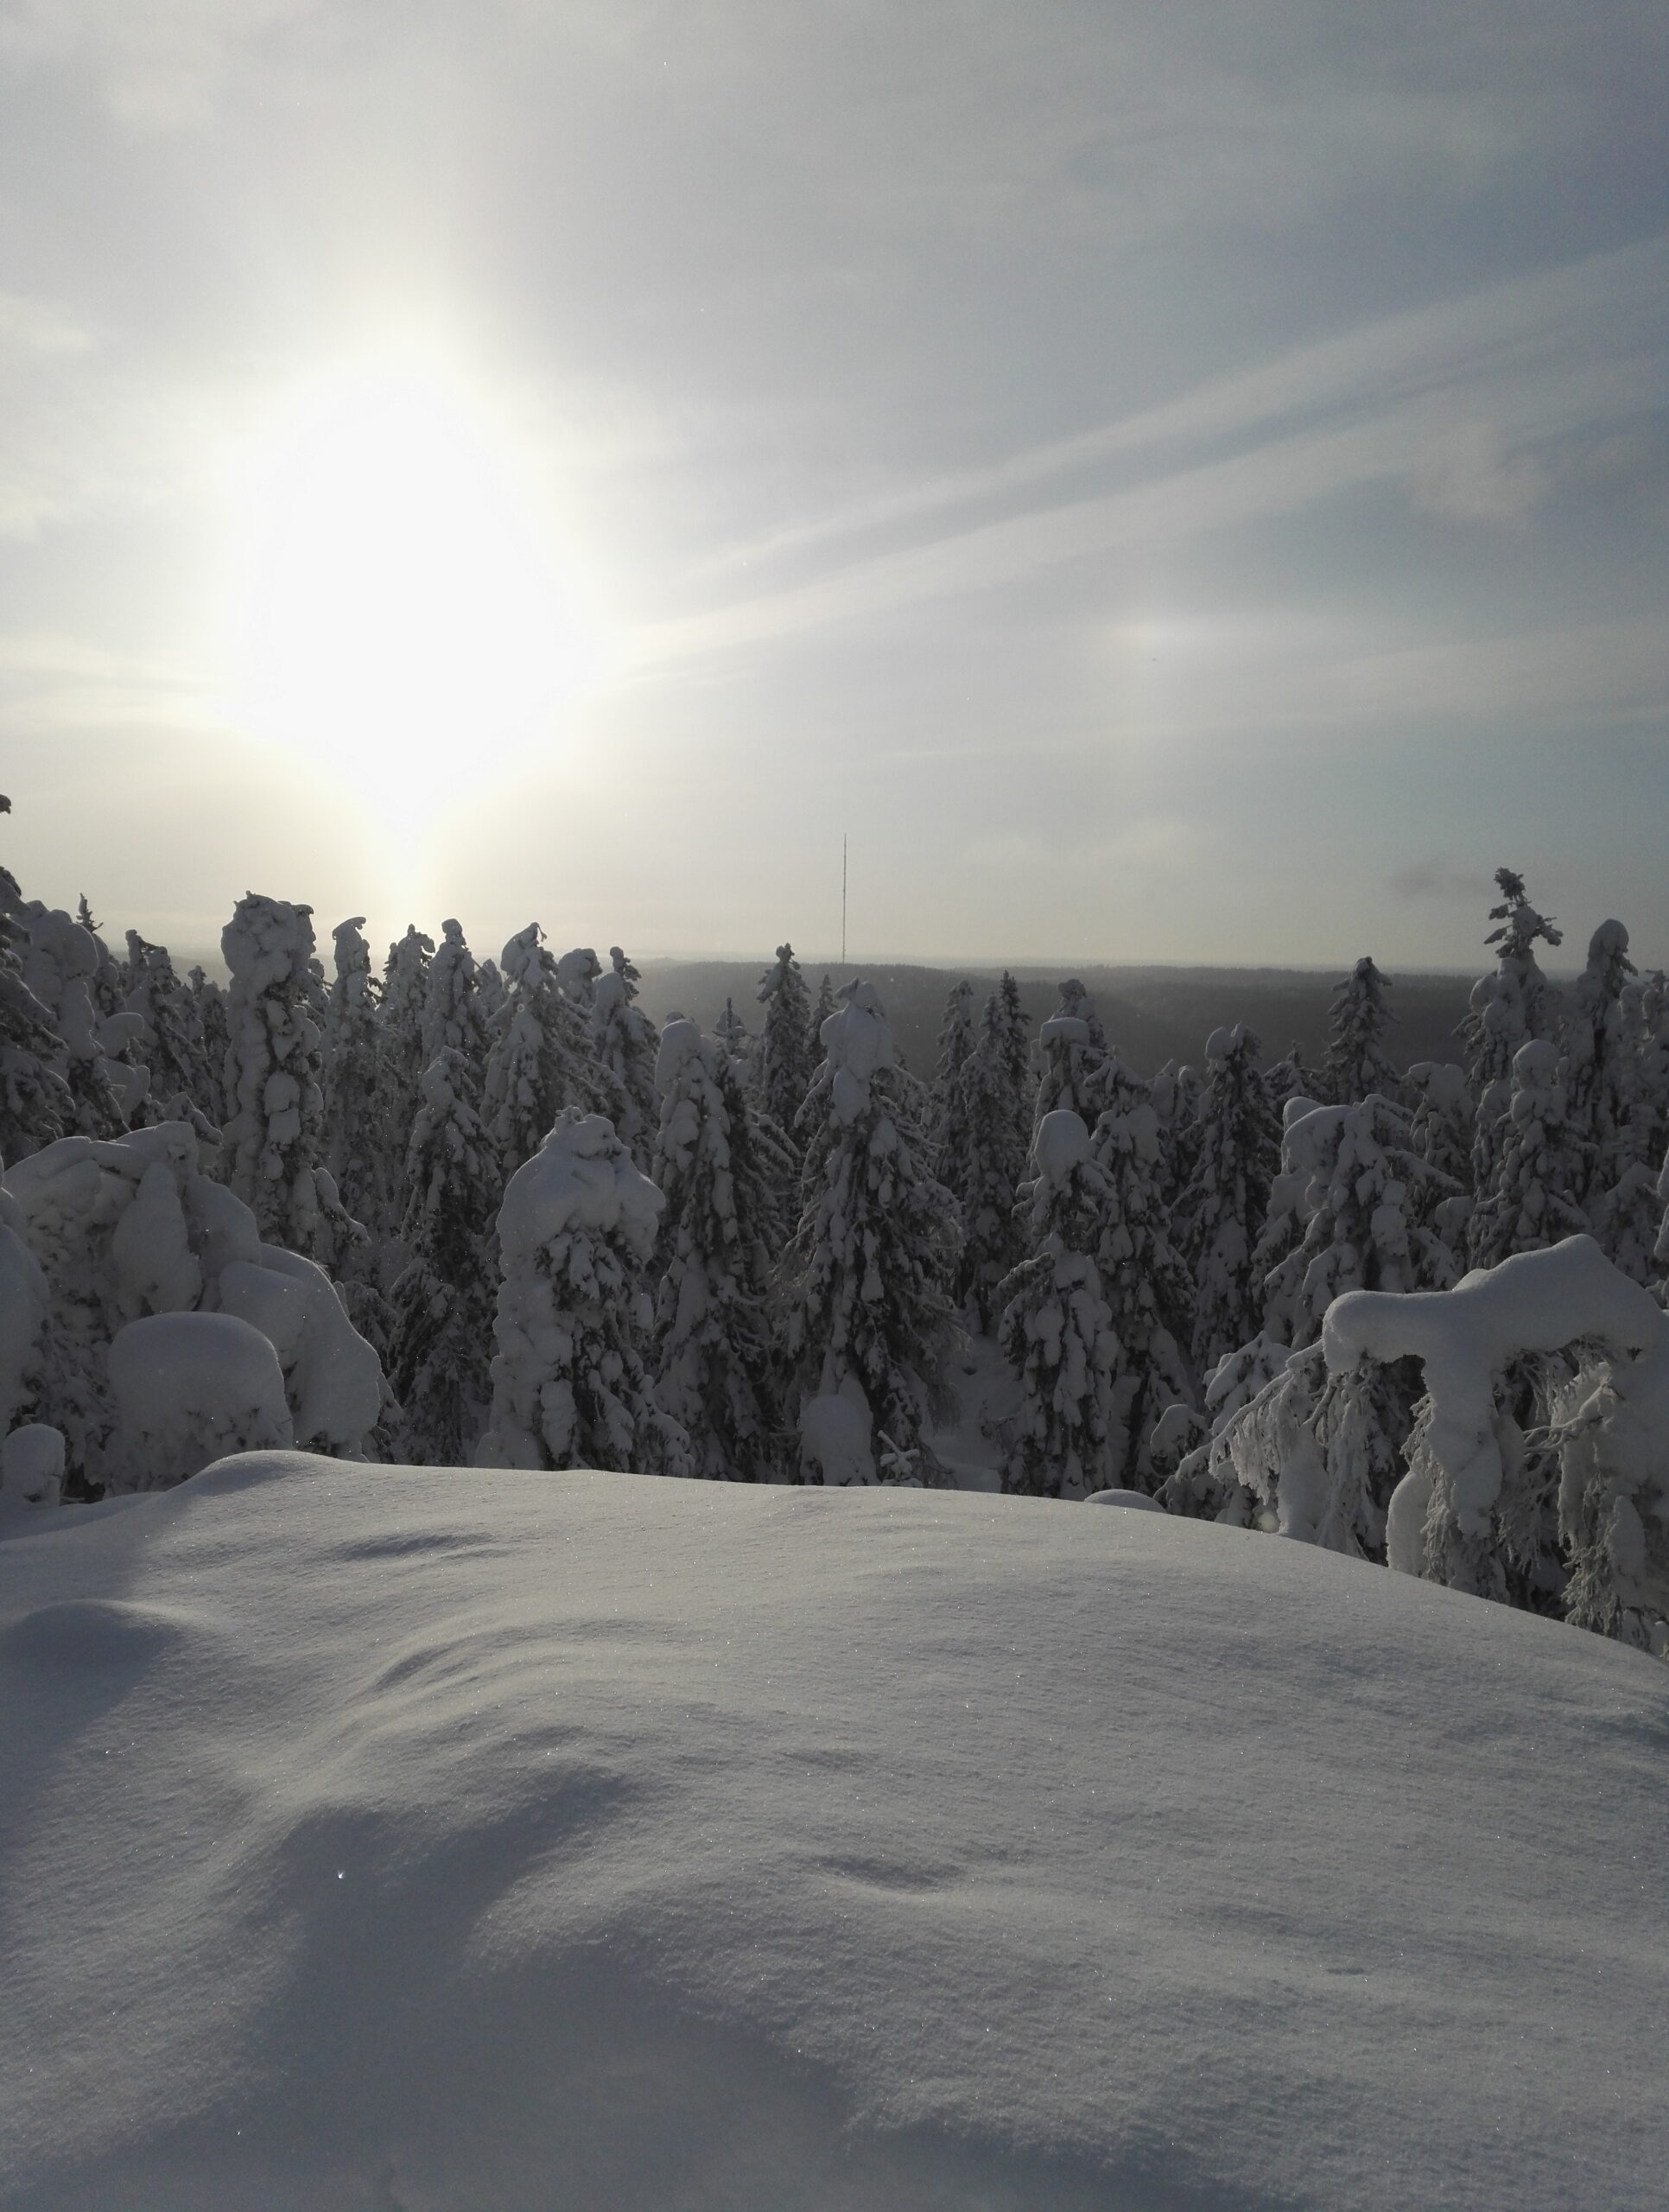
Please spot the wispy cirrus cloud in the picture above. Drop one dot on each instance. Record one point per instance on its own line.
(1455, 403)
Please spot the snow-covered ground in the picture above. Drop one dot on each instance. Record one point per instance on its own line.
(386, 1840)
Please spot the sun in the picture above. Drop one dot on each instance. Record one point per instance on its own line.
(400, 610)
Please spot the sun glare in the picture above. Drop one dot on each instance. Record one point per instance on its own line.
(401, 605)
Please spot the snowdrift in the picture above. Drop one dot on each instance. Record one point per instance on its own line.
(379, 1839)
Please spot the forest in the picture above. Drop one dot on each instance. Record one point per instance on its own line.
(473, 1212)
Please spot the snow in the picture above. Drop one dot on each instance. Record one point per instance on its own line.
(132, 1227)
(1061, 1144)
(580, 1179)
(379, 1838)
(1535, 1301)
(31, 1467)
(858, 1043)
(189, 1388)
(835, 1437)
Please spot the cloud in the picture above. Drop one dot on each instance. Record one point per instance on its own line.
(1439, 880)
(1466, 475)
(1455, 403)
(159, 65)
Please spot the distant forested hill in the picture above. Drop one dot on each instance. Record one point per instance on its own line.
(1153, 1014)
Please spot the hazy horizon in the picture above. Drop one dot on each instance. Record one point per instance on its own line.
(1189, 484)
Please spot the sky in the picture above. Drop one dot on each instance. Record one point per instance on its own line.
(1163, 482)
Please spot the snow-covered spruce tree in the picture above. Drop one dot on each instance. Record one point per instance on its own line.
(1369, 1209)
(948, 1126)
(208, 1003)
(1645, 1033)
(865, 1285)
(1496, 1458)
(1542, 1162)
(1357, 1062)
(1323, 1454)
(1203, 1485)
(440, 1335)
(170, 1039)
(538, 1063)
(1056, 1330)
(1292, 1078)
(274, 1135)
(1218, 1215)
(1600, 1071)
(353, 1139)
(1016, 1044)
(454, 1018)
(1145, 1283)
(814, 1037)
(35, 1105)
(624, 1046)
(733, 1033)
(60, 961)
(1071, 1045)
(1441, 1128)
(400, 1061)
(1628, 1222)
(492, 991)
(571, 1388)
(1513, 1005)
(714, 1367)
(130, 1233)
(783, 1057)
(1177, 1094)
(995, 1114)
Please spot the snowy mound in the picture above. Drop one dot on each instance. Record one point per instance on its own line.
(387, 1840)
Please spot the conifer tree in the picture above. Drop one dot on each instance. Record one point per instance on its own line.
(1600, 1071)
(1017, 1041)
(1220, 1215)
(441, 1333)
(1292, 1079)
(1646, 1029)
(1056, 1328)
(1368, 1211)
(1145, 1283)
(59, 960)
(1440, 1129)
(35, 1105)
(168, 1042)
(732, 1033)
(400, 1056)
(866, 1279)
(455, 1012)
(1542, 1163)
(275, 1134)
(1357, 1062)
(814, 1040)
(1512, 1006)
(208, 1003)
(532, 1070)
(353, 1141)
(994, 1117)
(570, 1387)
(624, 1046)
(784, 1059)
(947, 1124)
(1072, 1047)
(1626, 1222)
(1176, 1094)
(715, 1362)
